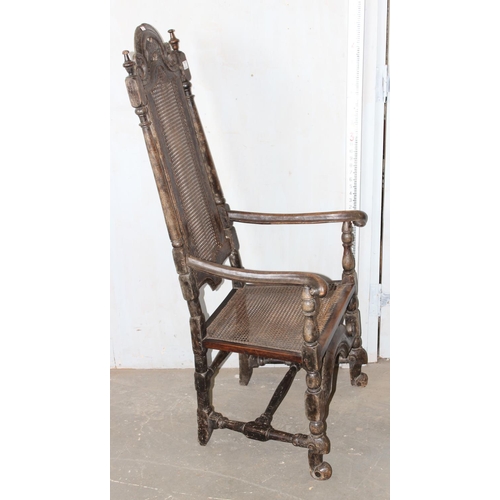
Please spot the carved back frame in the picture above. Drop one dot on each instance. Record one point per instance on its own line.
(193, 204)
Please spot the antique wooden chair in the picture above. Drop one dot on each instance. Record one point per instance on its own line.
(301, 319)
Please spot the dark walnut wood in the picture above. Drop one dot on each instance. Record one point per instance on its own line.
(301, 319)
(357, 217)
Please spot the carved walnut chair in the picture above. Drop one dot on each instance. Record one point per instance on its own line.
(300, 319)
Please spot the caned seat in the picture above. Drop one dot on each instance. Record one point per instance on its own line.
(267, 321)
(300, 319)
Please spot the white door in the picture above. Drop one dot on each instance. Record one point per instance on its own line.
(384, 337)
(372, 191)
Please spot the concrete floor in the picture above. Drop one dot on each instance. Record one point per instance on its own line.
(155, 454)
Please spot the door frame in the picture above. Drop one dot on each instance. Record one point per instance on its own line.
(375, 90)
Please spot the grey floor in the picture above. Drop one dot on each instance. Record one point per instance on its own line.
(155, 454)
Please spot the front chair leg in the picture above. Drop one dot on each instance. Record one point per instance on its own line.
(357, 358)
(316, 397)
(357, 355)
(319, 444)
(319, 441)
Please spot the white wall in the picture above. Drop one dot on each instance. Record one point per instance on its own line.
(269, 81)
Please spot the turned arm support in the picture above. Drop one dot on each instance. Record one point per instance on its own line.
(315, 282)
(357, 217)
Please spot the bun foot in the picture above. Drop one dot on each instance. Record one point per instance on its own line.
(322, 471)
(361, 380)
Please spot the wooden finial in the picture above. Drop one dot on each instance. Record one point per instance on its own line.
(128, 64)
(174, 42)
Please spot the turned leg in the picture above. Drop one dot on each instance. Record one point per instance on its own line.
(316, 411)
(357, 356)
(316, 398)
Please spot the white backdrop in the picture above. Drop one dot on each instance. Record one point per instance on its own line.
(269, 81)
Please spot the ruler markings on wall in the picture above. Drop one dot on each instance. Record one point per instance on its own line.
(355, 31)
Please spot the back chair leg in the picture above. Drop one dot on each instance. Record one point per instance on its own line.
(204, 410)
(246, 369)
(204, 397)
(202, 377)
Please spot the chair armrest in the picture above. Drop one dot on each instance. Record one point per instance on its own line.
(357, 217)
(317, 283)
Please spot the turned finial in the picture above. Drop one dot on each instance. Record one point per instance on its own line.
(174, 42)
(128, 64)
